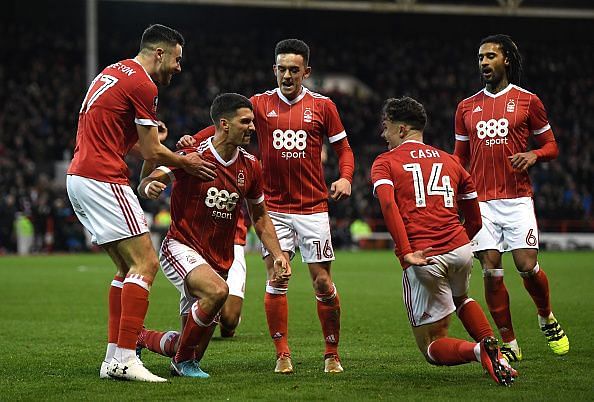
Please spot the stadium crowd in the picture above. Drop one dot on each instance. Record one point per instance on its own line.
(43, 82)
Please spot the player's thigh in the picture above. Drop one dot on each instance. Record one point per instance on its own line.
(136, 253)
(283, 226)
(519, 223)
(315, 240)
(177, 261)
(205, 283)
(427, 294)
(490, 236)
(109, 211)
(459, 269)
(237, 273)
(525, 258)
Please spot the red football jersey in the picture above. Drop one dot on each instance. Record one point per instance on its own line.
(498, 126)
(427, 182)
(241, 231)
(204, 215)
(290, 138)
(118, 99)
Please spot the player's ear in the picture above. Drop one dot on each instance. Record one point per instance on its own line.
(160, 52)
(274, 69)
(307, 72)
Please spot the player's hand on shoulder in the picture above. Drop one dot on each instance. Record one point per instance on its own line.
(523, 160)
(185, 141)
(282, 269)
(419, 257)
(340, 189)
(153, 190)
(199, 167)
(162, 130)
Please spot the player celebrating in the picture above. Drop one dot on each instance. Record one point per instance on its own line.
(118, 111)
(424, 187)
(198, 249)
(291, 122)
(492, 131)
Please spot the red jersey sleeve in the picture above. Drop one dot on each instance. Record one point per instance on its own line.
(459, 126)
(538, 122)
(255, 193)
(204, 134)
(334, 128)
(144, 99)
(466, 188)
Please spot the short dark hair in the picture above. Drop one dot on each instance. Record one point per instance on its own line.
(226, 105)
(294, 46)
(510, 50)
(157, 33)
(406, 110)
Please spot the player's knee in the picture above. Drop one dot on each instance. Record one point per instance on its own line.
(323, 284)
(220, 292)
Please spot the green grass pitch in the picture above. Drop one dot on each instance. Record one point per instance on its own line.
(53, 312)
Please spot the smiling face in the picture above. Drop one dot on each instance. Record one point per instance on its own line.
(391, 132)
(169, 58)
(492, 65)
(290, 71)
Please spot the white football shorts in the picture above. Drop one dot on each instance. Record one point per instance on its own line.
(428, 290)
(310, 232)
(508, 224)
(177, 260)
(108, 211)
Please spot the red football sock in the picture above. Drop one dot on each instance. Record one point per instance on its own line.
(198, 325)
(115, 309)
(163, 343)
(134, 306)
(451, 351)
(329, 314)
(537, 285)
(277, 312)
(474, 320)
(498, 301)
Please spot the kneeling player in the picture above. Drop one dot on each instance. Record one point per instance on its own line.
(198, 249)
(424, 187)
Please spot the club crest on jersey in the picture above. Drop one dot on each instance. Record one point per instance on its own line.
(241, 178)
(307, 115)
(511, 106)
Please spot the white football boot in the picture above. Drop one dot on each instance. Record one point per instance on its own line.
(132, 370)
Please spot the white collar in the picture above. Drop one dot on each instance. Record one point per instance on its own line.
(503, 91)
(304, 91)
(218, 157)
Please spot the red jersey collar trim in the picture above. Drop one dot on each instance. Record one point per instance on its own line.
(218, 157)
(503, 91)
(282, 97)
(143, 69)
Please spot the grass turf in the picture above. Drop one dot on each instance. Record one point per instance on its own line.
(53, 313)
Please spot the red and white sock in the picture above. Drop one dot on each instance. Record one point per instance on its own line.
(163, 343)
(537, 285)
(497, 299)
(135, 294)
(277, 312)
(452, 351)
(115, 312)
(474, 320)
(328, 306)
(197, 326)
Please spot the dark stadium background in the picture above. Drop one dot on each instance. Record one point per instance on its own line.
(230, 49)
